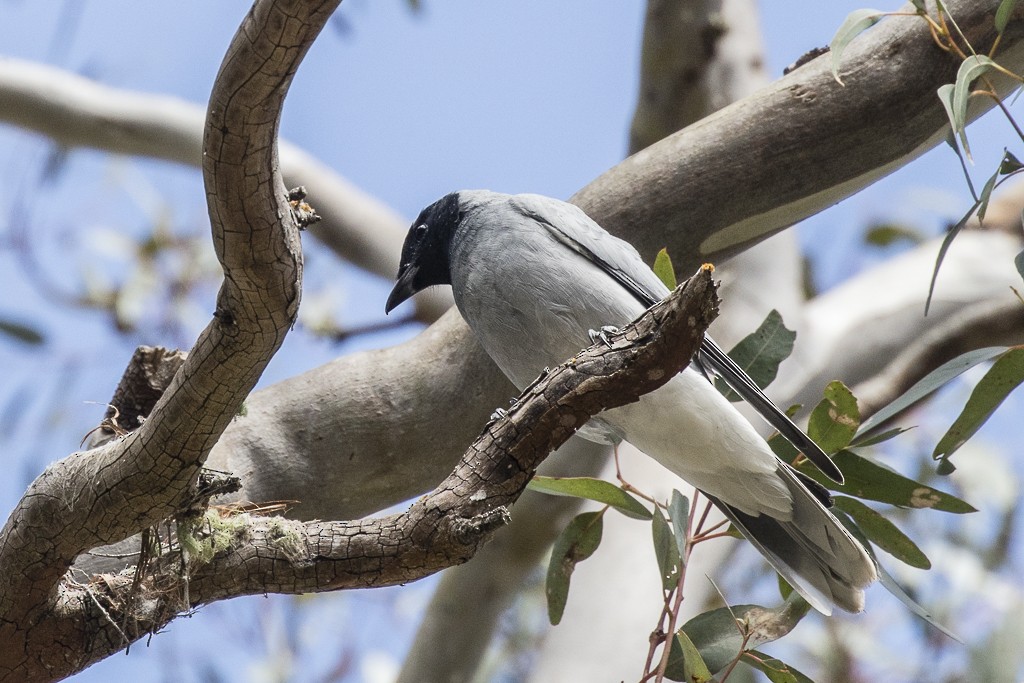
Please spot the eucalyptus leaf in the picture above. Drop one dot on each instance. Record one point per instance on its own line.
(969, 71)
(774, 669)
(719, 634)
(760, 353)
(685, 662)
(1003, 13)
(577, 542)
(885, 578)
(835, 420)
(929, 383)
(679, 512)
(880, 437)
(868, 479)
(664, 270)
(856, 22)
(883, 533)
(1005, 375)
(665, 550)
(592, 489)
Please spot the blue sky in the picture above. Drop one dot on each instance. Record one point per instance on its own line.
(527, 96)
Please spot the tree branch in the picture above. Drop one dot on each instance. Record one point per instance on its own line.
(239, 554)
(119, 489)
(798, 146)
(75, 111)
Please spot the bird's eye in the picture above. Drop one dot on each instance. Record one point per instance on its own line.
(421, 230)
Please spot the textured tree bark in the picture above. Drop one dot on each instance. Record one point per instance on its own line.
(51, 626)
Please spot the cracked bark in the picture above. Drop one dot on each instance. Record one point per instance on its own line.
(125, 486)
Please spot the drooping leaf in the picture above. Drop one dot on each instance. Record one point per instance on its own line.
(971, 68)
(869, 479)
(1003, 13)
(834, 421)
(929, 383)
(664, 270)
(685, 662)
(774, 669)
(665, 550)
(986, 194)
(21, 332)
(856, 22)
(576, 543)
(761, 352)
(679, 512)
(883, 533)
(947, 241)
(592, 489)
(889, 233)
(946, 93)
(718, 634)
(1005, 375)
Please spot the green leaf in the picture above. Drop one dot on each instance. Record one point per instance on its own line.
(592, 489)
(685, 662)
(664, 270)
(761, 352)
(929, 383)
(576, 543)
(876, 439)
(883, 533)
(1005, 375)
(887, 234)
(669, 562)
(22, 333)
(1003, 13)
(869, 479)
(855, 23)
(951, 234)
(718, 634)
(834, 421)
(986, 193)
(774, 669)
(946, 94)
(679, 511)
(972, 67)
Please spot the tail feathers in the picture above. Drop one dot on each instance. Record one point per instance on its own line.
(812, 551)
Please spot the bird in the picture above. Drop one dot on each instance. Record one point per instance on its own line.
(536, 279)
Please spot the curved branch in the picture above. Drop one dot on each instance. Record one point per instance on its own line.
(250, 555)
(119, 489)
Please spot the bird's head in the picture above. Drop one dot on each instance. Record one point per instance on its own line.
(425, 252)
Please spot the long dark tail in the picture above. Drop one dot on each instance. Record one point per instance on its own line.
(812, 551)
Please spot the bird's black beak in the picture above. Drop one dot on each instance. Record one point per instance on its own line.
(404, 288)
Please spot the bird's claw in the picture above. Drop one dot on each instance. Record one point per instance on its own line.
(602, 334)
(497, 415)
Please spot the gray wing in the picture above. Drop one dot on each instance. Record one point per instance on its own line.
(577, 231)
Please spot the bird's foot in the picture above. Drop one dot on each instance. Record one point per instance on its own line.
(602, 334)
